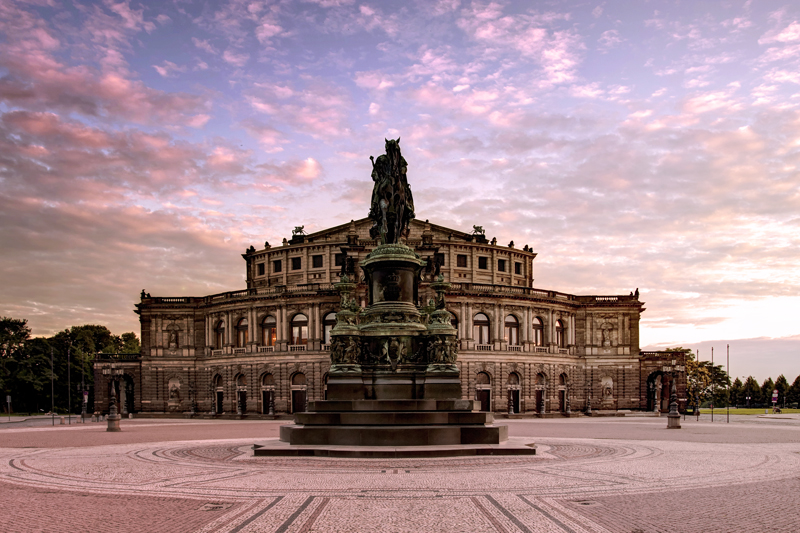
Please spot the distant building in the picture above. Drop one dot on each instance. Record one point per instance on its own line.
(239, 352)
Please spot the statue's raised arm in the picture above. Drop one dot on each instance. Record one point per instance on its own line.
(392, 206)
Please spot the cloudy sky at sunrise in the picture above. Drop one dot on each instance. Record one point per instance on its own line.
(647, 144)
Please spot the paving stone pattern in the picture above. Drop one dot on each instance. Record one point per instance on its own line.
(573, 485)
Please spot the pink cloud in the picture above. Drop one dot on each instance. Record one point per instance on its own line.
(235, 59)
(167, 69)
(203, 44)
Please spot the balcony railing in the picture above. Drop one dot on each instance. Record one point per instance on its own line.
(119, 356)
(541, 349)
(326, 347)
(266, 349)
(297, 347)
(483, 347)
(514, 348)
(216, 352)
(237, 351)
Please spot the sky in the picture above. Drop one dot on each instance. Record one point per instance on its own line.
(633, 144)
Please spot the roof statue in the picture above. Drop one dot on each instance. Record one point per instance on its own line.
(392, 206)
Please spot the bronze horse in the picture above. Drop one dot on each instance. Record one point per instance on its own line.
(392, 206)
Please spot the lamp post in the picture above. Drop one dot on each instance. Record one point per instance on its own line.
(674, 417)
(84, 396)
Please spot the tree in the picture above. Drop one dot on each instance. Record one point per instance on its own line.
(13, 335)
(130, 343)
(31, 387)
(766, 391)
(752, 391)
(783, 387)
(793, 395)
(704, 379)
(737, 392)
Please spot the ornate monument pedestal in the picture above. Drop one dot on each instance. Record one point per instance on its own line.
(394, 389)
(113, 418)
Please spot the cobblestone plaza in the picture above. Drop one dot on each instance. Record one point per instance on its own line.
(613, 474)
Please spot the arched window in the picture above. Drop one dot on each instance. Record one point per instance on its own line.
(560, 337)
(541, 379)
(300, 329)
(513, 379)
(562, 380)
(219, 335)
(454, 320)
(299, 379)
(538, 331)
(480, 329)
(327, 326)
(241, 381)
(483, 379)
(241, 333)
(217, 382)
(269, 331)
(267, 380)
(512, 330)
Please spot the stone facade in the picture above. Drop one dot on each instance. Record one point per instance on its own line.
(539, 350)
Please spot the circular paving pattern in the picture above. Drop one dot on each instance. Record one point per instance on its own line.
(490, 493)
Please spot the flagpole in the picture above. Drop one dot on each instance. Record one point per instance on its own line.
(713, 389)
(728, 365)
(52, 389)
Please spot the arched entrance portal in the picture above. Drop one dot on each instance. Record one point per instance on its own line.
(541, 386)
(241, 394)
(219, 395)
(126, 394)
(562, 393)
(298, 392)
(658, 387)
(513, 392)
(268, 394)
(483, 390)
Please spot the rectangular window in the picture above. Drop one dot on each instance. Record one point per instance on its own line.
(338, 259)
(260, 269)
(276, 266)
(316, 261)
(518, 268)
(297, 263)
(439, 258)
(461, 261)
(501, 265)
(483, 263)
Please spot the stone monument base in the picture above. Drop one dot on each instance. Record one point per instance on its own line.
(393, 423)
(113, 422)
(277, 448)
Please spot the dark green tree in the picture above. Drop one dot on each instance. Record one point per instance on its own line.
(31, 388)
(130, 343)
(737, 393)
(793, 396)
(705, 380)
(13, 335)
(766, 391)
(783, 387)
(752, 391)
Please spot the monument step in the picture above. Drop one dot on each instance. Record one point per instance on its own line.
(400, 418)
(282, 449)
(394, 405)
(428, 435)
